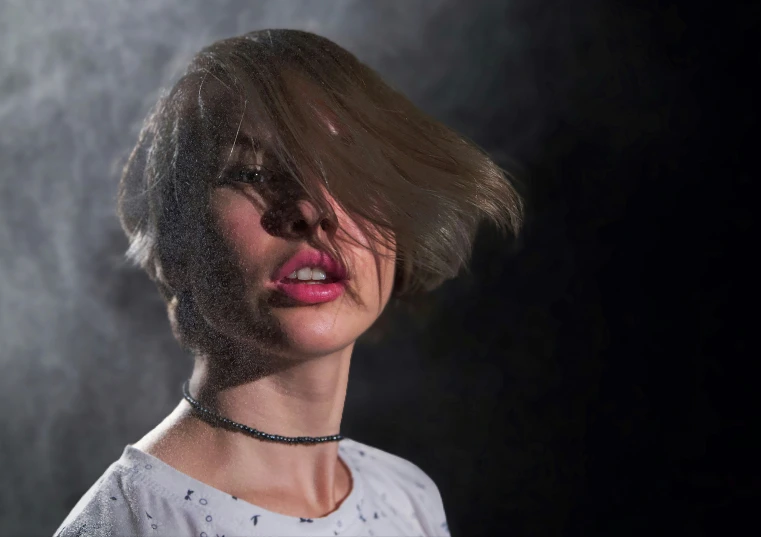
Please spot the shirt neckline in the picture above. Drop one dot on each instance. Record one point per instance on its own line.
(164, 475)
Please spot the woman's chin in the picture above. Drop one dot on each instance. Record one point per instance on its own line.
(310, 333)
(312, 345)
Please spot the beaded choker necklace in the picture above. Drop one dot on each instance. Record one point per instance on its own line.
(210, 414)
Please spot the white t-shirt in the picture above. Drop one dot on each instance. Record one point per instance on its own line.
(141, 495)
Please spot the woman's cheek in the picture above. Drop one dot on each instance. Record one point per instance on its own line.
(240, 224)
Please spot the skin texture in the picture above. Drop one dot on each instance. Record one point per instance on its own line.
(291, 368)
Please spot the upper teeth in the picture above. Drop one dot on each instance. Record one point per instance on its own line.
(308, 273)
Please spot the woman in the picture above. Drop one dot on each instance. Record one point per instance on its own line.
(278, 196)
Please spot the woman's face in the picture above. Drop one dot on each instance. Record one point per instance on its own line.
(263, 230)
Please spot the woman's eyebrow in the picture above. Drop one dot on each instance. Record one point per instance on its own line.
(247, 150)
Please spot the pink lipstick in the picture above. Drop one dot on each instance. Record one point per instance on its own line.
(325, 283)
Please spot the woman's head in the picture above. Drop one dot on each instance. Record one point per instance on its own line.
(279, 143)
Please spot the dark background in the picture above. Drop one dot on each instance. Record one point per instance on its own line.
(592, 377)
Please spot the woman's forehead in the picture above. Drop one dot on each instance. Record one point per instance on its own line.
(255, 142)
(255, 129)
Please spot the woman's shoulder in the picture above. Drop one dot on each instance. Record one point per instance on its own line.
(383, 468)
(127, 499)
(386, 462)
(106, 506)
(400, 484)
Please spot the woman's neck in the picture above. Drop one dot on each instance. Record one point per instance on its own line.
(304, 399)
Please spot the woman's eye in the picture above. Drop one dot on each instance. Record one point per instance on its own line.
(252, 176)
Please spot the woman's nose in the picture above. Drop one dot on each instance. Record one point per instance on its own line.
(307, 219)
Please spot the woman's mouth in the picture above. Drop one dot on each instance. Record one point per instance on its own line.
(311, 286)
(311, 277)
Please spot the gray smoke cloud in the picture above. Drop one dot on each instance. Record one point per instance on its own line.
(88, 362)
